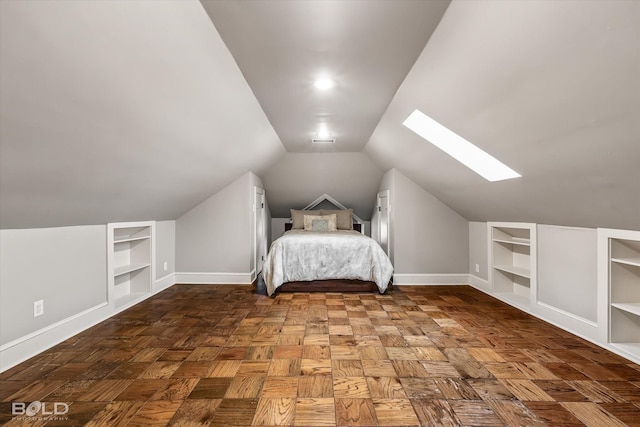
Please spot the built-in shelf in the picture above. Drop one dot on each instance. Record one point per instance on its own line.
(131, 268)
(119, 271)
(512, 261)
(518, 271)
(629, 308)
(628, 261)
(129, 239)
(514, 241)
(623, 268)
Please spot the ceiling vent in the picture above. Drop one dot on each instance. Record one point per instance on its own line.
(323, 140)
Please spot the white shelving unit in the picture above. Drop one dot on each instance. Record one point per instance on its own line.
(130, 261)
(512, 262)
(623, 279)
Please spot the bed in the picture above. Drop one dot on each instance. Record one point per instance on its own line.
(320, 257)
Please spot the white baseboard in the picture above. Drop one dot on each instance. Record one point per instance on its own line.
(430, 279)
(214, 278)
(479, 283)
(25, 347)
(165, 282)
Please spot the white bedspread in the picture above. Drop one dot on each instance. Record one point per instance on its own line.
(306, 255)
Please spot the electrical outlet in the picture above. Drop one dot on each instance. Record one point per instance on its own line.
(477, 268)
(38, 308)
(166, 266)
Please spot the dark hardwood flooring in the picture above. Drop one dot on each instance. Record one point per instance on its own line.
(225, 355)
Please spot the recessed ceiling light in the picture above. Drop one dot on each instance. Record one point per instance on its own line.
(323, 83)
(459, 148)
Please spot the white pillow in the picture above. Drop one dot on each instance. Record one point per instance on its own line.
(320, 222)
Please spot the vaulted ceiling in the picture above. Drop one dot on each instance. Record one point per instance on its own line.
(130, 110)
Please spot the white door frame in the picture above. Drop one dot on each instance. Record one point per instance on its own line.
(384, 221)
(259, 194)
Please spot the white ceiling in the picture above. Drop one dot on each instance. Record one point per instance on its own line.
(366, 47)
(114, 111)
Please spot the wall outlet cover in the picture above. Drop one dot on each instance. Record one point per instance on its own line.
(477, 268)
(38, 308)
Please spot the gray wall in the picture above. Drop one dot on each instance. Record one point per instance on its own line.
(478, 249)
(567, 269)
(216, 236)
(300, 178)
(165, 248)
(429, 237)
(66, 267)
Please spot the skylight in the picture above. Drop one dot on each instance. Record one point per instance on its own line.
(476, 159)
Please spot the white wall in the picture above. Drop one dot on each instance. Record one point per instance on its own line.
(165, 248)
(215, 239)
(429, 238)
(567, 269)
(478, 250)
(66, 267)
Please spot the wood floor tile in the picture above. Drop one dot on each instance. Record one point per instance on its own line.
(435, 412)
(223, 368)
(115, 413)
(350, 387)
(490, 389)
(526, 390)
(625, 412)
(284, 386)
(274, 411)
(385, 387)
(476, 413)
(244, 387)
(378, 368)
(224, 355)
(315, 386)
(284, 367)
(553, 414)
(596, 392)
(514, 413)
(355, 412)
(592, 415)
(394, 412)
(234, 412)
(155, 413)
(210, 388)
(316, 367)
(346, 368)
(311, 412)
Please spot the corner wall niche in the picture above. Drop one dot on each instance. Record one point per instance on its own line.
(131, 269)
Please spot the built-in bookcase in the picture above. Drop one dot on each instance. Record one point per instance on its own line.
(512, 258)
(623, 276)
(130, 261)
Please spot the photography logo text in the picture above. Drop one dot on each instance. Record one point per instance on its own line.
(39, 410)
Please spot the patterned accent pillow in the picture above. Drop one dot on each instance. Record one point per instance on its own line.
(320, 223)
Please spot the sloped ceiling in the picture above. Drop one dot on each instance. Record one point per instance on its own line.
(117, 111)
(114, 111)
(300, 178)
(552, 89)
(365, 47)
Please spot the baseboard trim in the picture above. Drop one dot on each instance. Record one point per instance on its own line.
(430, 279)
(21, 349)
(165, 282)
(479, 283)
(214, 278)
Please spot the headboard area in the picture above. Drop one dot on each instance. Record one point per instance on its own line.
(357, 227)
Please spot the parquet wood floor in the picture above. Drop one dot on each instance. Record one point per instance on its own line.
(224, 355)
